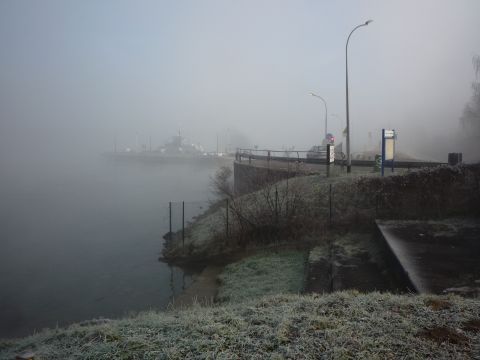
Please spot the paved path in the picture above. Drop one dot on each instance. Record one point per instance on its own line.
(350, 262)
(437, 256)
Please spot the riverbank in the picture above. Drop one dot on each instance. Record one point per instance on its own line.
(339, 325)
(250, 301)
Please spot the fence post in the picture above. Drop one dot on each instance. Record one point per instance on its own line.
(183, 223)
(330, 202)
(226, 222)
(170, 218)
(276, 204)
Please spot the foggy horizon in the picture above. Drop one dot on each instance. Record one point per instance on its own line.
(75, 75)
(170, 187)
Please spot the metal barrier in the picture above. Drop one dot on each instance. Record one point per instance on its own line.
(317, 155)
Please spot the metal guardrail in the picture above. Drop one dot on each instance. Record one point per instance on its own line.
(318, 156)
(400, 164)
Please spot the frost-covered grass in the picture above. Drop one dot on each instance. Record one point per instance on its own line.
(344, 325)
(321, 252)
(262, 274)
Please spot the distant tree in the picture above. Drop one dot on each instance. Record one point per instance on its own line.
(470, 119)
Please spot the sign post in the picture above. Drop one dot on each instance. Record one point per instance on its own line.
(388, 148)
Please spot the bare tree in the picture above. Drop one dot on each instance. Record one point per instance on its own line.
(276, 211)
(470, 119)
(221, 183)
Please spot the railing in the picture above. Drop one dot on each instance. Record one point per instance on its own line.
(317, 155)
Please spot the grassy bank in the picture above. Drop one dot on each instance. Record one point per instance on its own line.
(267, 273)
(337, 326)
(307, 205)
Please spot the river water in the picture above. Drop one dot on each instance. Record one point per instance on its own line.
(83, 241)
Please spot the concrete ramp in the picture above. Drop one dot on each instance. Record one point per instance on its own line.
(435, 256)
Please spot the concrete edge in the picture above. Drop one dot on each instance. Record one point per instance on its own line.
(392, 259)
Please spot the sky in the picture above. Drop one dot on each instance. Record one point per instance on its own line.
(74, 75)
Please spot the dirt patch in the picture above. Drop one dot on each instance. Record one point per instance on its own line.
(438, 304)
(202, 291)
(443, 334)
(472, 325)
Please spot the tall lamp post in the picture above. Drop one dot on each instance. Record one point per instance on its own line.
(349, 159)
(326, 111)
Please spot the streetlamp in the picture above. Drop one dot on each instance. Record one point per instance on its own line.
(326, 111)
(349, 160)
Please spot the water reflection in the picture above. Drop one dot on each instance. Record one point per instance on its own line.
(84, 243)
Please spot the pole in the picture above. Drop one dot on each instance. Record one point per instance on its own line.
(170, 217)
(226, 223)
(328, 158)
(183, 223)
(330, 203)
(276, 204)
(326, 120)
(326, 111)
(393, 159)
(349, 159)
(383, 151)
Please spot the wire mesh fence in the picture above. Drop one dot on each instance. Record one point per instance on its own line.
(183, 213)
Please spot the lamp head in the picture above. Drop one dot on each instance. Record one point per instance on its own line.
(368, 22)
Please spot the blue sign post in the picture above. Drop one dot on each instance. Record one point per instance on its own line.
(388, 148)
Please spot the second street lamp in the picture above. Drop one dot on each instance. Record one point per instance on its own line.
(349, 160)
(326, 111)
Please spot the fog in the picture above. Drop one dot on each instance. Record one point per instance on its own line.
(80, 235)
(75, 75)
